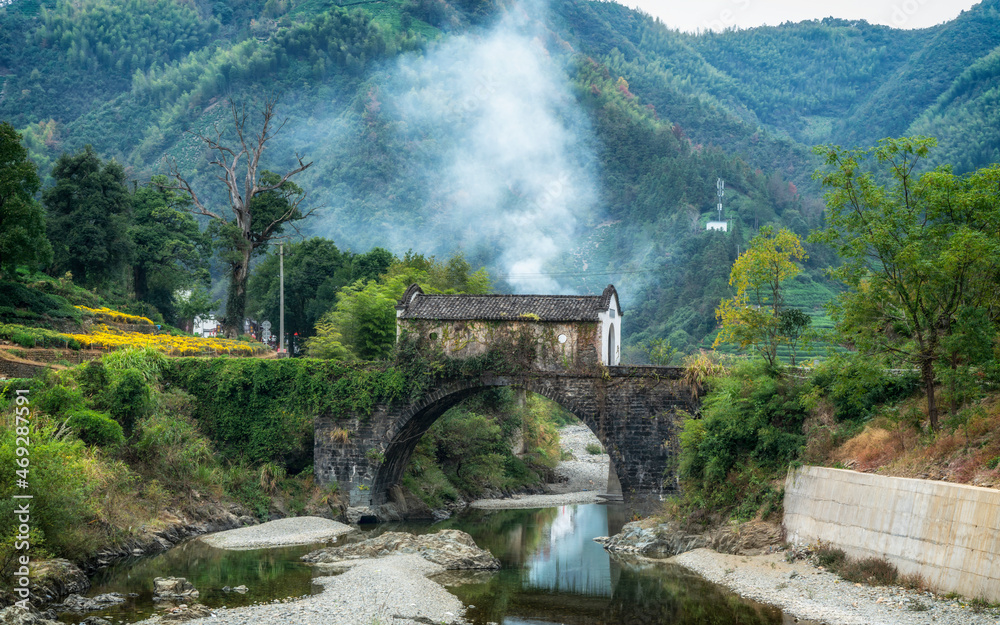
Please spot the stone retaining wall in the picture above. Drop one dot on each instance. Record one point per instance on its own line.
(49, 355)
(14, 369)
(947, 533)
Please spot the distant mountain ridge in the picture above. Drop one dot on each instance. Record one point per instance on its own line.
(665, 114)
(822, 81)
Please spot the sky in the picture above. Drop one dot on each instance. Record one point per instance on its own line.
(720, 14)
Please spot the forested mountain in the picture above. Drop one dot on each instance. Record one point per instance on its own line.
(563, 145)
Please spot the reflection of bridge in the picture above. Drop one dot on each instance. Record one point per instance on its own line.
(632, 410)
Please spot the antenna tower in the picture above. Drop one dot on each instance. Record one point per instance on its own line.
(720, 185)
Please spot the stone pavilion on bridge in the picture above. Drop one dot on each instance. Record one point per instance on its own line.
(573, 330)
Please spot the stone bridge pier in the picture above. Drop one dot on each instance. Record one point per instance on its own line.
(632, 410)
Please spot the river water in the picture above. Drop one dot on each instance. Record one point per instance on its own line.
(553, 572)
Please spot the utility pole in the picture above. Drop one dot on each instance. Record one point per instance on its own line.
(281, 298)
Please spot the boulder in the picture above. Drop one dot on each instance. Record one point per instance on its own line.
(452, 549)
(173, 589)
(409, 505)
(186, 613)
(364, 514)
(95, 620)
(449, 579)
(77, 603)
(14, 615)
(56, 578)
(656, 541)
(663, 540)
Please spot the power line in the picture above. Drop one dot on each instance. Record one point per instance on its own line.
(557, 274)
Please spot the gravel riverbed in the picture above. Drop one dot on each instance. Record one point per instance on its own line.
(585, 477)
(281, 533)
(807, 592)
(394, 589)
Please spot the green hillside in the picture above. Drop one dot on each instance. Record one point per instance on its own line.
(389, 99)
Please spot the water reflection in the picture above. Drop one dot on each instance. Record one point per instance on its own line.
(268, 573)
(554, 573)
(570, 560)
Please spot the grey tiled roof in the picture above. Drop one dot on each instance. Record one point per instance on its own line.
(417, 305)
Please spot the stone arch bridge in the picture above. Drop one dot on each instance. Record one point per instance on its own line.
(632, 410)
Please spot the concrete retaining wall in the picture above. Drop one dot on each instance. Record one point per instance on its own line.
(947, 533)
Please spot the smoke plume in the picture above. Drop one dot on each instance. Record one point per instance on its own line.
(498, 150)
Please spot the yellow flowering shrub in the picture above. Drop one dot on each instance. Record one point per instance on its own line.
(114, 315)
(107, 338)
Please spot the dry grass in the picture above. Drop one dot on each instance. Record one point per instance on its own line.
(965, 450)
(698, 368)
(874, 448)
(339, 435)
(113, 484)
(873, 571)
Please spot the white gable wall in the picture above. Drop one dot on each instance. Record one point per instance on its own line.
(611, 321)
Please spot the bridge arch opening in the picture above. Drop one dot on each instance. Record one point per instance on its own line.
(634, 411)
(400, 445)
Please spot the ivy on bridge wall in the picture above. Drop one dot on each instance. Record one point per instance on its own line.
(263, 410)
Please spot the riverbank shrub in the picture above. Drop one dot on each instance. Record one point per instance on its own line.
(95, 428)
(425, 478)
(128, 399)
(856, 384)
(171, 448)
(749, 430)
(54, 394)
(61, 504)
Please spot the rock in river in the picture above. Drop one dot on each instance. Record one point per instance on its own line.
(186, 613)
(13, 615)
(452, 549)
(76, 603)
(173, 589)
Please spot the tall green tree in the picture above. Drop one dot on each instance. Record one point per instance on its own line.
(261, 203)
(171, 252)
(22, 221)
(363, 323)
(372, 264)
(757, 316)
(315, 270)
(918, 253)
(89, 215)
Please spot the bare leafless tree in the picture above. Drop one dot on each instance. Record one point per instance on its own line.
(251, 224)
